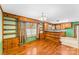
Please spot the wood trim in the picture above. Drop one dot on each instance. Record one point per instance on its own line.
(10, 15)
(37, 32)
(25, 19)
(9, 25)
(9, 33)
(75, 35)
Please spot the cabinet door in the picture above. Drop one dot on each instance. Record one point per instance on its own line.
(68, 25)
(58, 26)
(62, 26)
(45, 26)
(15, 42)
(53, 27)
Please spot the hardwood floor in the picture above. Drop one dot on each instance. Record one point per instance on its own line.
(46, 47)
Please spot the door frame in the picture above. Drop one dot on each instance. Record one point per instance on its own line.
(75, 26)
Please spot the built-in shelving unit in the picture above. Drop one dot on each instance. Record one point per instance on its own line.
(41, 30)
(10, 28)
(10, 33)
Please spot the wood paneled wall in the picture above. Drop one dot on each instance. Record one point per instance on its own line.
(22, 18)
(13, 43)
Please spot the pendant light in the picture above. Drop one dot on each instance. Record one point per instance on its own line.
(43, 17)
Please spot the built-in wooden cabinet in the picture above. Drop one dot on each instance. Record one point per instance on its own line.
(41, 30)
(66, 25)
(10, 27)
(58, 26)
(53, 36)
(45, 26)
(53, 27)
(63, 25)
(17, 31)
(49, 26)
(10, 32)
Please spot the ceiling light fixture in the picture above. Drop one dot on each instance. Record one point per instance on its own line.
(43, 17)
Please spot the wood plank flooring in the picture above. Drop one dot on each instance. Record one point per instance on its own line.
(46, 47)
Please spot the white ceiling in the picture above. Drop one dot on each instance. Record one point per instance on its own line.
(61, 12)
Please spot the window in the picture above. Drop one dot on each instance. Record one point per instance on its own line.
(10, 28)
